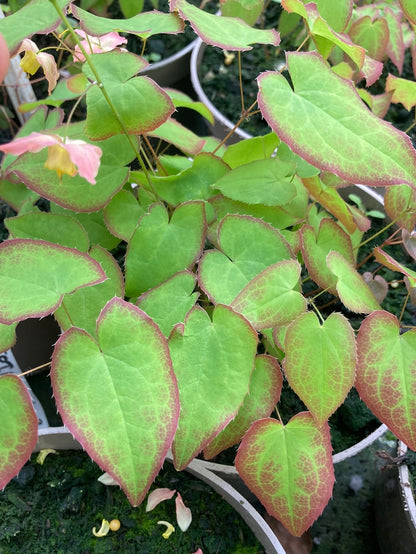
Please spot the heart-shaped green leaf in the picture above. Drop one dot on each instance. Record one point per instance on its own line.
(371, 35)
(169, 303)
(122, 214)
(320, 362)
(386, 373)
(152, 106)
(159, 248)
(323, 110)
(82, 308)
(19, 427)
(34, 276)
(265, 388)
(228, 33)
(248, 246)
(289, 468)
(119, 398)
(315, 249)
(213, 362)
(274, 176)
(354, 292)
(271, 299)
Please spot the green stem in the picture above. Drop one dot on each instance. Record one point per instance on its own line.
(101, 86)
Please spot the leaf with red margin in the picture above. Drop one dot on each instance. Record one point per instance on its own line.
(386, 373)
(371, 35)
(320, 362)
(19, 427)
(228, 33)
(271, 298)
(35, 275)
(391, 263)
(399, 203)
(404, 91)
(213, 362)
(395, 47)
(265, 389)
(323, 110)
(315, 249)
(353, 291)
(119, 398)
(289, 468)
(409, 9)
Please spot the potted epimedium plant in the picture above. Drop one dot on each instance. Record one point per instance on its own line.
(182, 346)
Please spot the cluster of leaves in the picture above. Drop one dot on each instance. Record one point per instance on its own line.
(182, 348)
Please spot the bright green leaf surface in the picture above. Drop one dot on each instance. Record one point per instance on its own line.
(183, 138)
(320, 362)
(159, 248)
(144, 25)
(255, 148)
(336, 14)
(289, 468)
(225, 32)
(122, 214)
(7, 336)
(19, 427)
(82, 308)
(399, 202)
(169, 303)
(386, 373)
(409, 8)
(271, 298)
(404, 91)
(247, 246)
(323, 110)
(265, 388)
(182, 100)
(119, 398)
(351, 287)
(371, 35)
(34, 276)
(43, 226)
(268, 182)
(213, 362)
(16, 194)
(38, 16)
(193, 183)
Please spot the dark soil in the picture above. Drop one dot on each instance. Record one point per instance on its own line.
(52, 508)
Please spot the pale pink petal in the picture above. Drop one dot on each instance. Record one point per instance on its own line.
(85, 156)
(28, 44)
(199, 551)
(111, 41)
(183, 514)
(97, 45)
(32, 143)
(157, 496)
(4, 58)
(48, 63)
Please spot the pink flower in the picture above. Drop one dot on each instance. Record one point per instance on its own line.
(97, 45)
(65, 156)
(4, 58)
(183, 514)
(34, 59)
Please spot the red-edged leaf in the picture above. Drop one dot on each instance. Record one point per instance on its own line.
(19, 427)
(289, 468)
(399, 203)
(391, 263)
(320, 362)
(386, 373)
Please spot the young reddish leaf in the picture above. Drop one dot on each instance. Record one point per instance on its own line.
(265, 388)
(271, 298)
(386, 373)
(35, 275)
(404, 91)
(315, 249)
(248, 246)
(157, 496)
(336, 115)
(391, 263)
(353, 291)
(378, 285)
(123, 405)
(183, 514)
(213, 362)
(371, 35)
(159, 248)
(399, 203)
(289, 468)
(409, 242)
(19, 427)
(228, 33)
(320, 362)
(395, 47)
